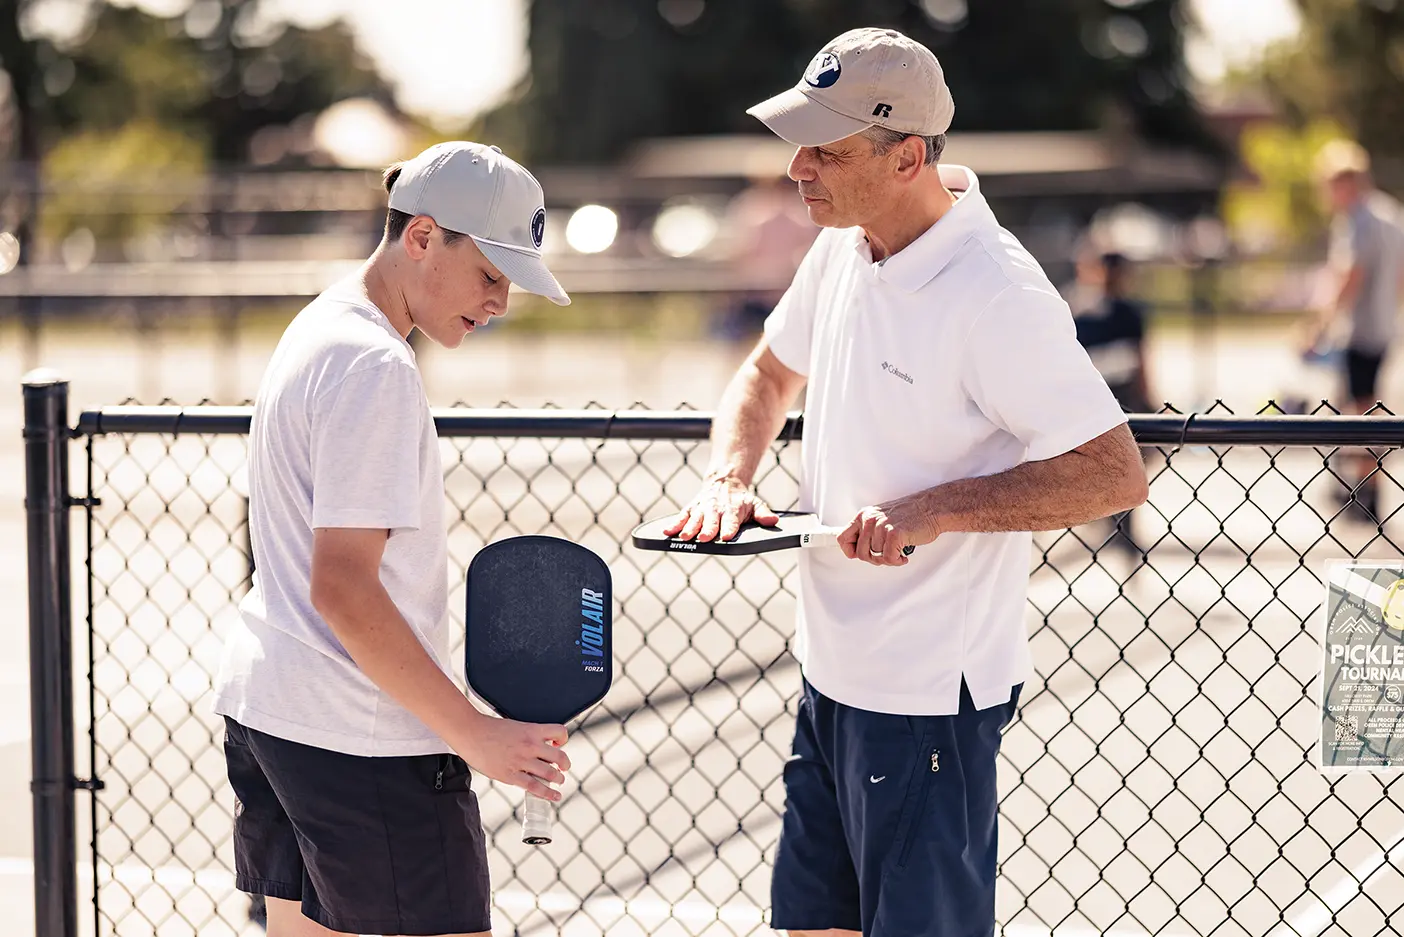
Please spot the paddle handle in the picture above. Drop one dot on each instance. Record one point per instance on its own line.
(828, 537)
(537, 817)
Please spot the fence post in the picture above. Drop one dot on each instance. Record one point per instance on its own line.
(46, 502)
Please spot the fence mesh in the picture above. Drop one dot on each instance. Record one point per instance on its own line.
(1159, 778)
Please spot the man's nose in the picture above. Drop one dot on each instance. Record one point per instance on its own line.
(801, 166)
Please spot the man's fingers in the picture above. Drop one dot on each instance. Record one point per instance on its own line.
(732, 519)
(848, 540)
(678, 523)
(695, 517)
(711, 524)
(762, 514)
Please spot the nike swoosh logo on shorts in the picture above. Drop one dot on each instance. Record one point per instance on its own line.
(873, 780)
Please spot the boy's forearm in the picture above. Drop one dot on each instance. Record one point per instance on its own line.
(366, 622)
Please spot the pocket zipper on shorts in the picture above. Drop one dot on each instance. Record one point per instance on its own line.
(919, 812)
(439, 777)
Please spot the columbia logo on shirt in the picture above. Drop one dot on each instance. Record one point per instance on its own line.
(892, 369)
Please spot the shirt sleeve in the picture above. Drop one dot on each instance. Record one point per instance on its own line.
(1352, 242)
(366, 434)
(1024, 369)
(789, 329)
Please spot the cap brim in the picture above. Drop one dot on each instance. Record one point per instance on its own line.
(525, 269)
(798, 119)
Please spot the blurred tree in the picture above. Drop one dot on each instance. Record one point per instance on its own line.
(606, 73)
(1279, 207)
(221, 73)
(125, 96)
(1346, 64)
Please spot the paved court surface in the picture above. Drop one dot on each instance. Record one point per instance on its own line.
(1162, 766)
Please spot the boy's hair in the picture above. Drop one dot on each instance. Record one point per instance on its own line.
(397, 221)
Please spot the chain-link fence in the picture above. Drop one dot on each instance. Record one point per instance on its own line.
(1158, 780)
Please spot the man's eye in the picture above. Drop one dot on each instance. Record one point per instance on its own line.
(490, 279)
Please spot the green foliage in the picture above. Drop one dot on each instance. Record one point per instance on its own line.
(1281, 208)
(606, 73)
(93, 171)
(1347, 65)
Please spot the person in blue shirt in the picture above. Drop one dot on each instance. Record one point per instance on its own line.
(1111, 327)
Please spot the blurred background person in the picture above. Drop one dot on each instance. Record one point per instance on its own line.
(771, 233)
(1360, 305)
(1111, 326)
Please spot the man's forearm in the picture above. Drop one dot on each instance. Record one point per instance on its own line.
(1071, 489)
(366, 622)
(748, 418)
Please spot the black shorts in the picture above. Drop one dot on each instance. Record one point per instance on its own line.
(890, 823)
(368, 845)
(1362, 374)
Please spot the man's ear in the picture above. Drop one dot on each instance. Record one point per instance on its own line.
(417, 235)
(911, 157)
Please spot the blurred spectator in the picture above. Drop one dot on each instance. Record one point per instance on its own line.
(771, 233)
(1358, 311)
(1111, 326)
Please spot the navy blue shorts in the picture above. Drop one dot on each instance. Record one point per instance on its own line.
(890, 821)
(367, 845)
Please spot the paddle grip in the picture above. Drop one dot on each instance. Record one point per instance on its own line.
(828, 537)
(536, 821)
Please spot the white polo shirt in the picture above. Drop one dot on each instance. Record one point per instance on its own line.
(953, 358)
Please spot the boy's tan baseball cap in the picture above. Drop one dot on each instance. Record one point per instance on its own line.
(865, 77)
(475, 190)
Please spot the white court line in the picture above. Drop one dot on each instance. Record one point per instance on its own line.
(1317, 917)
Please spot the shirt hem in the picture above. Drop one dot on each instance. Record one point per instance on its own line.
(318, 737)
(947, 703)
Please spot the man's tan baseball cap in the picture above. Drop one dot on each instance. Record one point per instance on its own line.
(865, 77)
(475, 190)
(1341, 158)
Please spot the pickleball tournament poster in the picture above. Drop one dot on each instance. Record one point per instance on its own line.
(1362, 685)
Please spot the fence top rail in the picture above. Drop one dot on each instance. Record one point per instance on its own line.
(1159, 429)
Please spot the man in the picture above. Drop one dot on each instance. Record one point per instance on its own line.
(1111, 327)
(348, 744)
(1366, 262)
(949, 407)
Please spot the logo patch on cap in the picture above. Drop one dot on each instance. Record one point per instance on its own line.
(538, 227)
(823, 71)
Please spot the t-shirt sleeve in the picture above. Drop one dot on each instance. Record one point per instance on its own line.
(1024, 369)
(366, 435)
(1353, 241)
(789, 329)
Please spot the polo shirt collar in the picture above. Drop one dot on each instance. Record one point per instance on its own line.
(917, 264)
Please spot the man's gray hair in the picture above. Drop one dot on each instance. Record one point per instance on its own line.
(883, 140)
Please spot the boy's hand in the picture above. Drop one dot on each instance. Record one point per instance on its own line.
(525, 754)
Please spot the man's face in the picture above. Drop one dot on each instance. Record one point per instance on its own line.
(845, 184)
(456, 289)
(1342, 191)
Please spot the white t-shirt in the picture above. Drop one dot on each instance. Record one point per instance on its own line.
(952, 359)
(342, 437)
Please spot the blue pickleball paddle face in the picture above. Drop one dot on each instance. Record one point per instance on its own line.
(539, 615)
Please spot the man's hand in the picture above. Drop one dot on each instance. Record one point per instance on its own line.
(720, 508)
(523, 754)
(878, 534)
